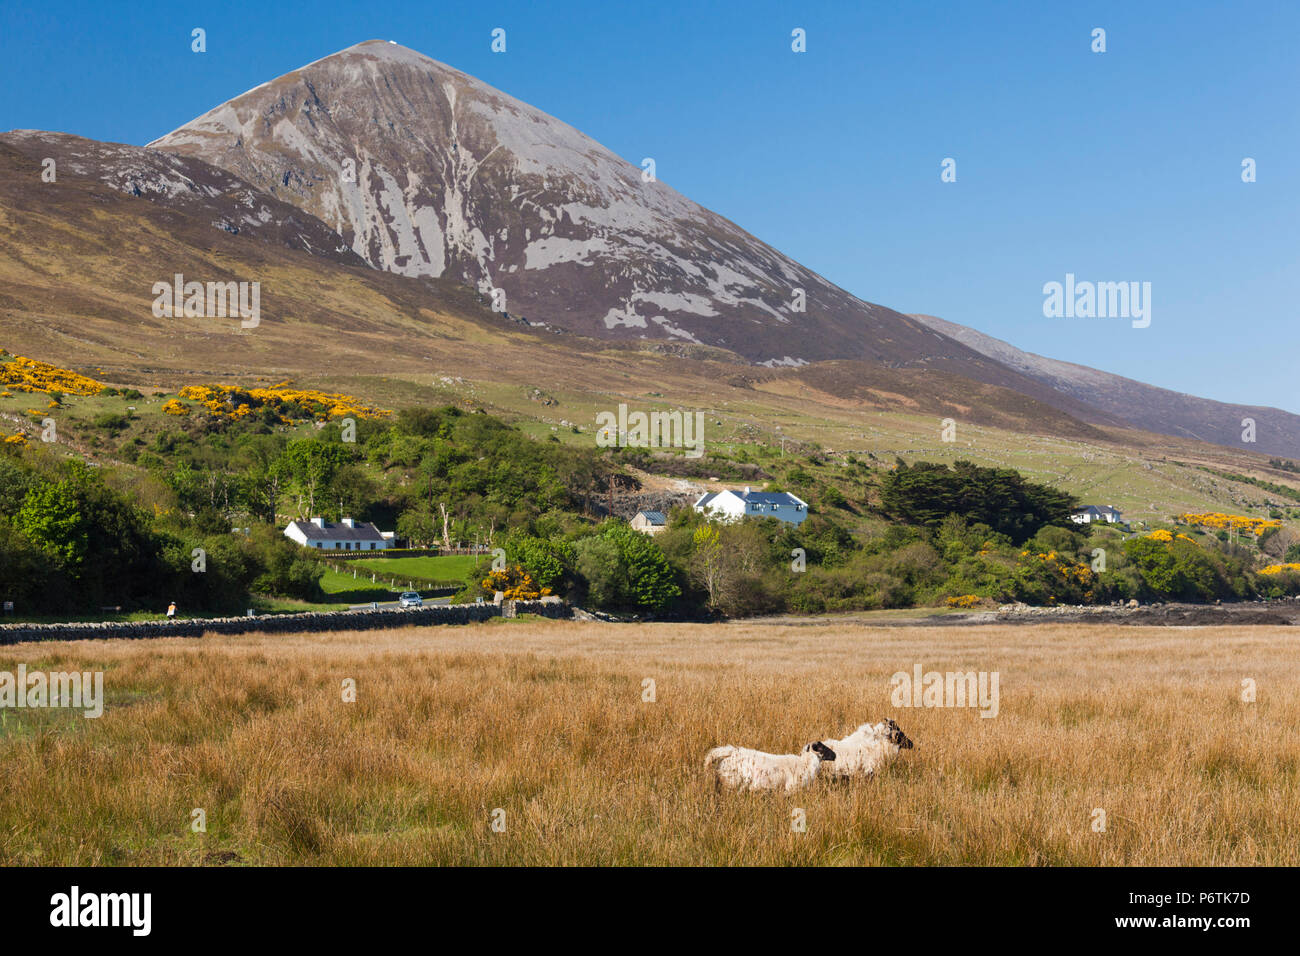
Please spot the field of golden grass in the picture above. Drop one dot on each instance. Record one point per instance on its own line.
(546, 722)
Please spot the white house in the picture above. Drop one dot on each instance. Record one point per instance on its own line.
(650, 522)
(731, 505)
(347, 535)
(1091, 513)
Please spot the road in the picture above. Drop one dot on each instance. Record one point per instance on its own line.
(385, 604)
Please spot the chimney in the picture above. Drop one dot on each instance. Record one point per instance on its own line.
(747, 489)
(318, 522)
(349, 523)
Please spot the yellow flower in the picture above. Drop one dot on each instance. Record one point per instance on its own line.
(28, 375)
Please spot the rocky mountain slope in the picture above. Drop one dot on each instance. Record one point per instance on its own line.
(186, 185)
(425, 170)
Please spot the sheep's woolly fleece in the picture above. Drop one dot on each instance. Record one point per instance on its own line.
(743, 769)
(861, 752)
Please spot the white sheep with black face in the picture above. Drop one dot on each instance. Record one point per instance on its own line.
(868, 747)
(743, 769)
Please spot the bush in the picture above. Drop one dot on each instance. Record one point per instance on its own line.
(285, 568)
(1179, 569)
(110, 422)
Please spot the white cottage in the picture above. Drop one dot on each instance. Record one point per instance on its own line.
(347, 535)
(1092, 513)
(733, 505)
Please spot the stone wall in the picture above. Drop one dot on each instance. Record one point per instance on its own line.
(359, 620)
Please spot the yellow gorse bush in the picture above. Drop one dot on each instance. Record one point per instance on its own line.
(1069, 570)
(22, 374)
(1224, 522)
(229, 401)
(515, 584)
(1279, 568)
(963, 600)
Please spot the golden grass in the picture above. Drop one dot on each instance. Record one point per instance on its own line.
(545, 720)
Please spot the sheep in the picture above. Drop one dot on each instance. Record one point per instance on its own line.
(861, 752)
(743, 769)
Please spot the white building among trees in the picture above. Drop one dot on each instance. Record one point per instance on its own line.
(347, 535)
(734, 505)
(1090, 513)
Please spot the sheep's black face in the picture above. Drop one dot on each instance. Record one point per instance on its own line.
(897, 737)
(821, 750)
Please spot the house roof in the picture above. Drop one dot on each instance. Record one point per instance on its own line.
(364, 531)
(1096, 509)
(755, 497)
(769, 497)
(654, 517)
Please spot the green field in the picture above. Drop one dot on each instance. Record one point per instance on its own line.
(450, 567)
(341, 588)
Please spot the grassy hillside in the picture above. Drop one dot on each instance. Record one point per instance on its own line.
(1147, 477)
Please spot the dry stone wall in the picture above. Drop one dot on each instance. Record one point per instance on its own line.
(358, 620)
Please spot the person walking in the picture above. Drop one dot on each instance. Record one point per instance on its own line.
(171, 610)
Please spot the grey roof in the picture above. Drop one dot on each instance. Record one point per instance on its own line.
(755, 497)
(654, 517)
(769, 497)
(1096, 509)
(364, 531)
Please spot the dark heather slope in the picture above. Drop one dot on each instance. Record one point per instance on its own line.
(1161, 410)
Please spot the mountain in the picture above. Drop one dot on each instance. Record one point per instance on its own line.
(1145, 406)
(378, 159)
(454, 178)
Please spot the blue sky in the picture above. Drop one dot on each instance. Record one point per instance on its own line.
(1115, 166)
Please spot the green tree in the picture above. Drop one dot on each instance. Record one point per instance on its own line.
(926, 493)
(51, 519)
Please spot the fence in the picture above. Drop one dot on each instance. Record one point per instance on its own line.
(385, 553)
(404, 553)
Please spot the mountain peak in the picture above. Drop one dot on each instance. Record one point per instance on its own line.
(426, 171)
(383, 51)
